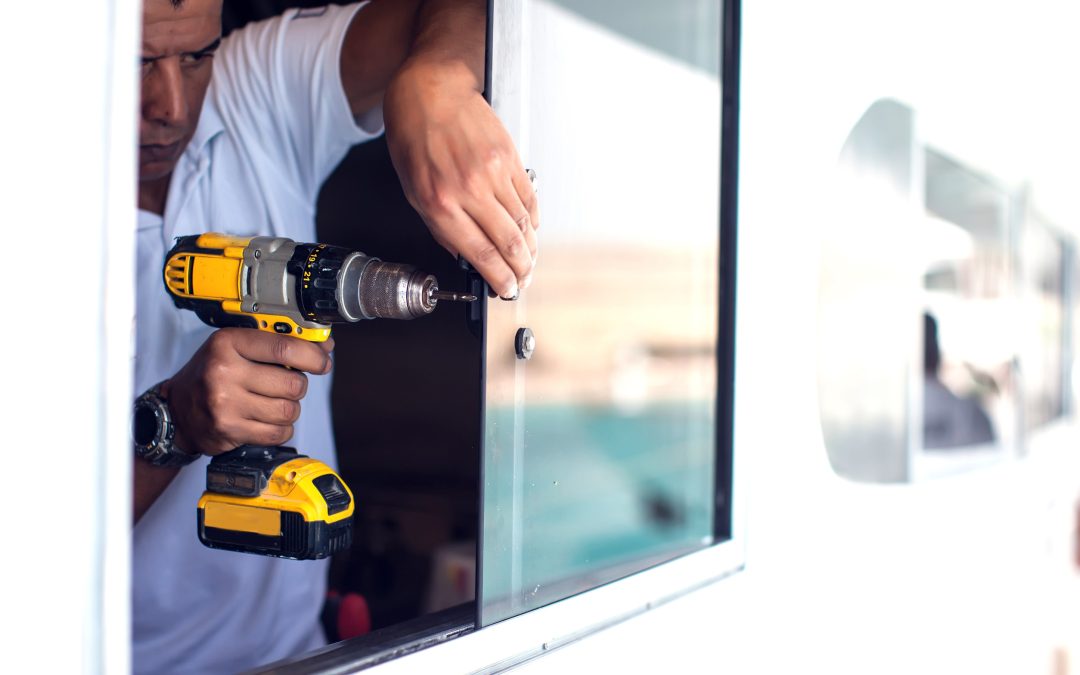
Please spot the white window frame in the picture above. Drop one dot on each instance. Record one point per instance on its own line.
(532, 634)
(68, 137)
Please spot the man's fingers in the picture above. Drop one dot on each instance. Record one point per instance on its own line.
(506, 237)
(526, 192)
(276, 382)
(523, 218)
(530, 238)
(464, 234)
(281, 350)
(274, 411)
(253, 432)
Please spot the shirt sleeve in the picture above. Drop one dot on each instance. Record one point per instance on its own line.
(277, 86)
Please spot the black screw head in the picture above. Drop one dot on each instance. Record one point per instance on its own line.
(524, 343)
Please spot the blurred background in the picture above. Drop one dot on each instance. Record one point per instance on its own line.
(901, 161)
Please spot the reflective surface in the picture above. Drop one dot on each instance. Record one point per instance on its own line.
(969, 384)
(599, 450)
(945, 329)
(1046, 325)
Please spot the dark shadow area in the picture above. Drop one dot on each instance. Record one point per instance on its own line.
(406, 402)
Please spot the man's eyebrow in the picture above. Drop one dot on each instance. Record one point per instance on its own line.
(208, 49)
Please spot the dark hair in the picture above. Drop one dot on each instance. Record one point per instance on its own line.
(931, 348)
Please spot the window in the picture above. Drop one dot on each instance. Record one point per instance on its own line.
(1046, 323)
(970, 389)
(606, 453)
(600, 450)
(944, 318)
(995, 285)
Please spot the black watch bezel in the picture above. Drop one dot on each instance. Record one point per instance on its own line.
(151, 412)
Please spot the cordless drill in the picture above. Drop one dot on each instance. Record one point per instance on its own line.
(272, 500)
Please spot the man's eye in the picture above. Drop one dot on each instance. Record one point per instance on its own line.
(195, 59)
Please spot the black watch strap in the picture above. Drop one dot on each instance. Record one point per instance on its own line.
(153, 432)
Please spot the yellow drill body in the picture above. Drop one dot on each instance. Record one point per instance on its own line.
(270, 500)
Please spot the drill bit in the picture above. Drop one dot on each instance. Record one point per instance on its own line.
(451, 296)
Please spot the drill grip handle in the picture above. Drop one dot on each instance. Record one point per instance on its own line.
(212, 314)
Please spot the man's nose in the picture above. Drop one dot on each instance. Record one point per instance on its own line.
(163, 93)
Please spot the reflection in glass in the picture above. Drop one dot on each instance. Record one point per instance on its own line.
(949, 421)
(972, 274)
(683, 29)
(969, 338)
(600, 450)
(1042, 347)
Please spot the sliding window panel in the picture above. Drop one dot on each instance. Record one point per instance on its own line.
(1044, 328)
(600, 448)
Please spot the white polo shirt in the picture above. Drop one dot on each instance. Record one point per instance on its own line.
(274, 125)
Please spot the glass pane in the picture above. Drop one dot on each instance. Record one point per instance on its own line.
(969, 337)
(1044, 335)
(599, 452)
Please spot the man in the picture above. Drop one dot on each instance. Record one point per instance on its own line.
(949, 421)
(237, 135)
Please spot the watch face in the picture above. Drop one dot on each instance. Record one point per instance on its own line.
(144, 425)
(152, 432)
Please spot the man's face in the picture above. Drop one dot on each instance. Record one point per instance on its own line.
(177, 53)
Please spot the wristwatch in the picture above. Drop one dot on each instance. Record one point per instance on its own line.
(152, 431)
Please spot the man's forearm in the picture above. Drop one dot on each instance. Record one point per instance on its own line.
(376, 43)
(457, 163)
(451, 35)
(447, 36)
(150, 482)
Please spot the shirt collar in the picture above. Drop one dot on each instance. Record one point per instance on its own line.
(210, 125)
(197, 158)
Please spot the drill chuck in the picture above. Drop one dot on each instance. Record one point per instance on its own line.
(369, 288)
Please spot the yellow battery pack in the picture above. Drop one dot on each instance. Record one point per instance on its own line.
(274, 501)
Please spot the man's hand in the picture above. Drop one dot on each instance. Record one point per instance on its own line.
(461, 172)
(234, 390)
(424, 60)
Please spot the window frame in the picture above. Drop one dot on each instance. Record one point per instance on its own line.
(502, 645)
(924, 463)
(526, 636)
